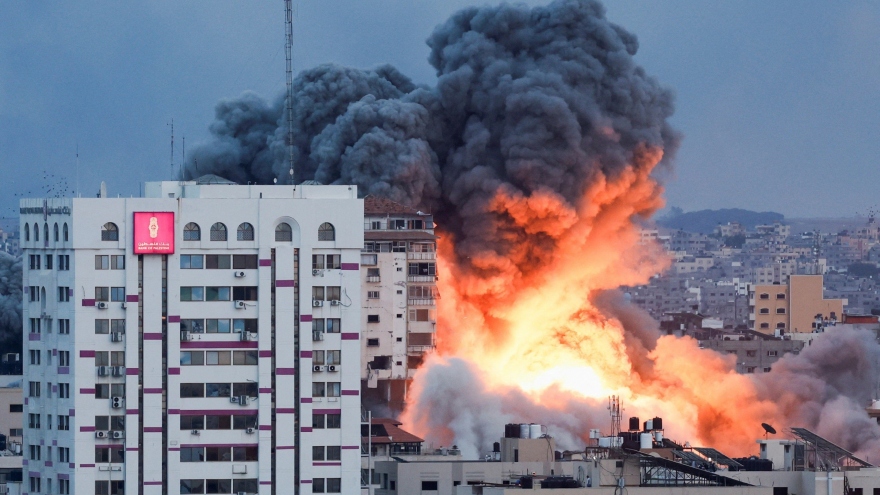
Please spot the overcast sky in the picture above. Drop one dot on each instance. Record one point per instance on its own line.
(778, 101)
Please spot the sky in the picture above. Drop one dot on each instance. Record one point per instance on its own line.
(778, 102)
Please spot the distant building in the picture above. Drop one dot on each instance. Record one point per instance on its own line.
(793, 307)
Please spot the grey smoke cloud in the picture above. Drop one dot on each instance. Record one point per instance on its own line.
(10, 300)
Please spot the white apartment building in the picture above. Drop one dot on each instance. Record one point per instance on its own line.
(399, 277)
(182, 347)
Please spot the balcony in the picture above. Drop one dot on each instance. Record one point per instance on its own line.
(421, 278)
(419, 349)
(422, 302)
(421, 256)
(374, 278)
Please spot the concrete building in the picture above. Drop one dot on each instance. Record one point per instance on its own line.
(754, 353)
(201, 339)
(793, 307)
(399, 277)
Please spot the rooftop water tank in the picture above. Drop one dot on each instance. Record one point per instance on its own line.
(524, 430)
(646, 441)
(535, 431)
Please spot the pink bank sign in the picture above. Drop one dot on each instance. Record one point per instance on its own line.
(154, 232)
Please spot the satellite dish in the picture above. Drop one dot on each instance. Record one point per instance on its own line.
(769, 429)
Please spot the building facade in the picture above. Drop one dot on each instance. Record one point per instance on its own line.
(183, 349)
(794, 307)
(399, 276)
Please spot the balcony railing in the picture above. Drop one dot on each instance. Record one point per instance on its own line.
(421, 256)
(422, 302)
(374, 278)
(421, 278)
(419, 349)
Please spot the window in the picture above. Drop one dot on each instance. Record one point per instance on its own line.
(16, 408)
(246, 388)
(333, 293)
(244, 293)
(36, 233)
(372, 319)
(245, 357)
(217, 326)
(218, 486)
(63, 454)
(192, 232)
(117, 294)
(217, 422)
(368, 260)
(192, 486)
(63, 262)
(217, 390)
(334, 485)
(245, 454)
(192, 454)
(217, 261)
(192, 422)
(34, 452)
(765, 311)
(115, 487)
(767, 369)
(283, 233)
(216, 358)
(317, 293)
(111, 423)
(780, 296)
(780, 325)
(244, 325)
(245, 232)
(35, 325)
(317, 262)
(27, 232)
(192, 358)
(333, 389)
(66, 236)
(334, 357)
(422, 269)
(780, 311)
(429, 486)
(192, 389)
(36, 485)
(102, 262)
(35, 357)
(318, 421)
(64, 326)
(102, 293)
(326, 232)
(217, 454)
(109, 232)
(63, 293)
(64, 423)
(765, 325)
(373, 294)
(192, 293)
(372, 342)
(49, 262)
(217, 293)
(192, 326)
(46, 233)
(334, 261)
(34, 260)
(33, 420)
(317, 452)
(34, 389)
(772, 353)
(218, 232)
(242, 421)
(63, 390)
(102, 326)
(334, 453)
(244, 261)
(318, 389)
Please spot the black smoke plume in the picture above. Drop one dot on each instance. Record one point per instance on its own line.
(10, 303)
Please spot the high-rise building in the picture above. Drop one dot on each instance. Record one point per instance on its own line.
(399, 276)
(201, 339)
(799, 306)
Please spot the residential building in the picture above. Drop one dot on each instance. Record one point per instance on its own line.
(399, 294)
(793, 307)
(183, 349)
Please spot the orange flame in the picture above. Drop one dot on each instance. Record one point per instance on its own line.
(527, 318)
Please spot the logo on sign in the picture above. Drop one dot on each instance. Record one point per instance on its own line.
(154, 232)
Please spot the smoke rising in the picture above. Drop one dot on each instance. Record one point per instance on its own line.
(10, 302)
(536, 149)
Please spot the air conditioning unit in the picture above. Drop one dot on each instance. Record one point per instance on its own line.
(196, 432)
(45, 314)
(333, 367)
(239, 274)
(185, 336)
(116, 337)
(123, 306)
(244, 400)
(335, 302)
(117, 402)
(101, 434)
(317, 335)
(250, 431)
(118, 434)
(317, 303)
(316, 273)
(103, 370)
(234, 399)
(317, 368)
(248, 336)
(240, 305)
(118, 370)
(102, 305)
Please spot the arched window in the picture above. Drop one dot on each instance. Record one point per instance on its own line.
(765, 311)
(66, 236)
(245, 232)
(46, 233)
(218, 232)
(27, 232)
(765, 325)
(109, 232)
(36, 232)
(283, 233)
(56, 231)
(326, 232)
(192, 232)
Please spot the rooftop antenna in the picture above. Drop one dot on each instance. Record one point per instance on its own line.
(614, 408)
(288, 48)
(172, 148)
(183, 154)
(77, 169)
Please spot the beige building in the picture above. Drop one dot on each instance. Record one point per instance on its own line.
(793, 307)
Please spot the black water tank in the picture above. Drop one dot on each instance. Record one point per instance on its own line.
(658, 423)
(496, 447)
(511, 430)
(633, 424)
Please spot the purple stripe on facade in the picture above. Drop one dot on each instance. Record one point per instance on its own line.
(285, 283)
(152, 429)
(71, 412)
(326, 411)
(265, 353)
(34, 336)
(87, 354)
(173, 371)
(69, 292)
(131, 449)
(132, 371)
(62, 476)
(72, 465)
(135, 411)
(202, 412)
(349, 266)
(265, 427)
(86, 465)
(54, 442)
(351, 336)
(152, 336)
(88, 302)
(34, 474)
(305, 354)
(86, 428)
(197, 445)
(173, 319)
(152, 390)
(350, 447)
(265, 482)
(305, 318)
(266, 390)
(266, 262)
(152, 483)
(285, 371)
(306, 400)
(218, 345)
(305, 481)
(133, 298)
(42, 442)
(64, 370)
(351, 392)
(110, 446)
(174, 449)
(326, 464)
(285, 410)
(306, 429)
(285, 447)
(174, 411)
(24, 462)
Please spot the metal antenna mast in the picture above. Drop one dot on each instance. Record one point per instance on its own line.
(288, 49)
(172, 148)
